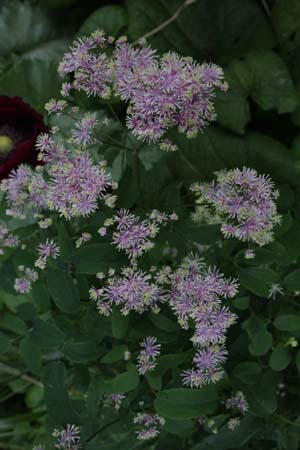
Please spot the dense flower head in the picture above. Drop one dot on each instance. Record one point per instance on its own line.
(67, 438)
(7, 239)
(161, 92)
(46, 250)
(150, 423)
(195, 295)
(76, 184)
(23, 284)
(244, 202)
(237, 402)
(133, 290)
(147, 356)
(25, 188)
(132, 234)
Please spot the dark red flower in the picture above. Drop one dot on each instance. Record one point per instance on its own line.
(20, 125)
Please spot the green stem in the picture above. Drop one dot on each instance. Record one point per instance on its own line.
(17, 373)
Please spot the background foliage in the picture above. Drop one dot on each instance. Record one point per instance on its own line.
(58, 356)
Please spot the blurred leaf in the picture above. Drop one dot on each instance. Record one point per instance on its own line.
(257, 280)
(280, 358)
(184, 403)
(63, 290)
(112, 19)
(31, 355)
(81, 351)
(46, 334)
(114, 355)
(287, 322)
(261, 339)
(95, 258)
(292, 280)
(201, 28)
(123, 382)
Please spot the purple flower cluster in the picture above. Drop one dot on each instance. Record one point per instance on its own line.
(244, 202)
(147, 356)
(23, 284)
(7, 239)
(195, 295)
(115, 400)
(46, 250)
(237, 402)
(24, 189)
(150, 423)
(68, 438)
(133, 290)
(162, 92)
(133, 235)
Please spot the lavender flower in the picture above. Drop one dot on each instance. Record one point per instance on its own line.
(132, 234)
(237, 401)
(115, 400)
(134, 290)
(233, 423)
(161, 92)
(147, 356)
(68, 438)
(244, 201)
(195, 295)
(38, 447)
(23, 284)
(150, 424)
(46, 250)
(7, 239)
(82, 134)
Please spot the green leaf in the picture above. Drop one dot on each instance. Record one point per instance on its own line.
(247, 372)
(261, 339)
(31, 355)
(114, 355)
(257, 280)
(5, 344)
(63, 290)
(94, 395)
(227, 439)
(280, 358)
(40, 296)
(82, 351)
(95, 258)
(200, 27)
(262, 397)
(202, 234)
(65, 244)
(292, 280)
(46, 334)
(286, 19)
(287, 322)
(123, 382)
(298, 360)
(112, 19)
(13, 323)
(184, 403)
(119, 324)
(56, 395)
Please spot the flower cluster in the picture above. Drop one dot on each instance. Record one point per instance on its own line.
(7, 239)
(162, 92)
(244, 202)
(150, 424)
(24, 189)
(133, 290)
(68, 438)
(115, 400)
(147, 356)
(237, 402)
(195, 295)
(23, 284)
(46, 250)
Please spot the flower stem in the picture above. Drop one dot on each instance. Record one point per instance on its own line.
(138, 176)
(109, 424)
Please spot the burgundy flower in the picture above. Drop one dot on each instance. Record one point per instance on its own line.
(19, 127)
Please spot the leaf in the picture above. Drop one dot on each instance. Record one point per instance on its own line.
(82, 351)
(112, 19)
(286, 19)
(94, 394)
(95, 258)
(184, 403)
(261, 339)
(13, 323)
(56, 395)
(46, 334)
(202, 234)
(287, 322)
(114, 355)
(119, 324)
(200, 27)
(257, 280)
(31, 355)
(163, 323)
(65, 244)
(262, 397)
(247, 372)
(292, 280)
(227, 439)
(40, 296)
(63, 290)
(280, 358)
(5, 344)
(123, 382)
